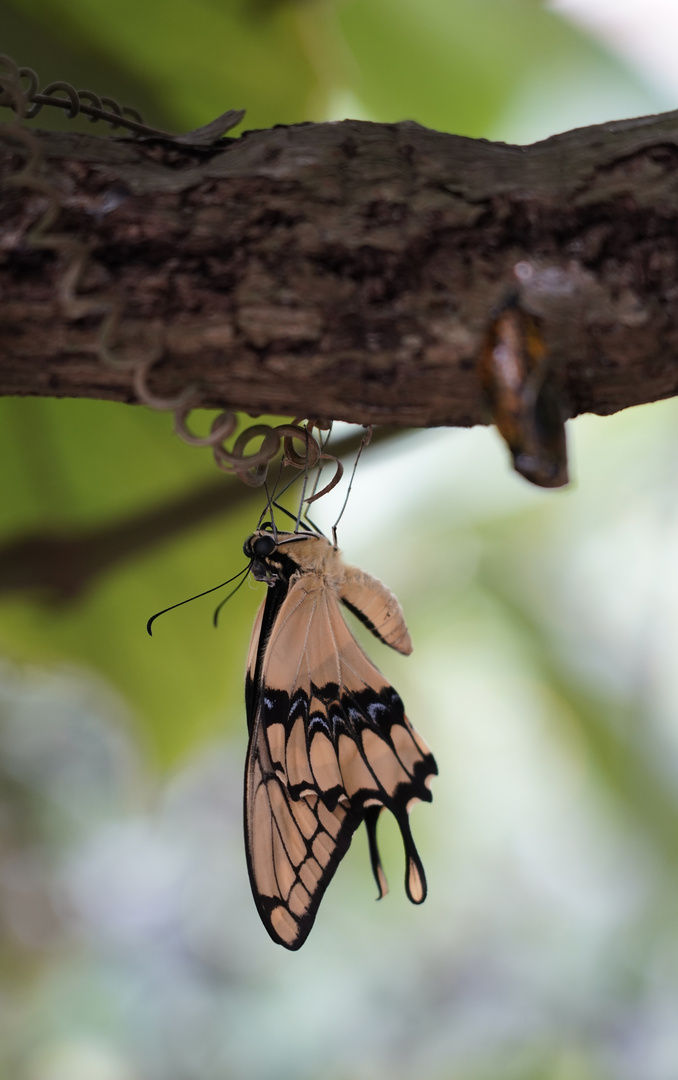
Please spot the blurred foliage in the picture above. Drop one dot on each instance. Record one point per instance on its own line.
(67, 465)
(459, 66)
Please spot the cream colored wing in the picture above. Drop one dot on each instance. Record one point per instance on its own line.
(376, 606)
(330, 746)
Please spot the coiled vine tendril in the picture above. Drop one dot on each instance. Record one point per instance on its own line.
(19, 91)
(63, 95)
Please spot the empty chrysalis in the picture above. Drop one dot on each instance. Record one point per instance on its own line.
(517, 379)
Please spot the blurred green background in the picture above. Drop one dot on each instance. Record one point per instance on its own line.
(545, 628)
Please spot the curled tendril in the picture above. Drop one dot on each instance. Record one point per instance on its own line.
(222, 428)
(311, 453)
(186, 399)
(339, 472)
(27, 176)
(63, 95)
(250, 468)
(19, 92)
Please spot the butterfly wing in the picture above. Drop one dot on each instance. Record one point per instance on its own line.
(376, 607)
(330, 746)
(293, 848)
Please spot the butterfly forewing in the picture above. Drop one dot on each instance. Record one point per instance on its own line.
(330, 744)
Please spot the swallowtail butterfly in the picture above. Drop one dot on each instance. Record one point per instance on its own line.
(330, 745)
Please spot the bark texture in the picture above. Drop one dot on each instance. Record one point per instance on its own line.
(347, 270)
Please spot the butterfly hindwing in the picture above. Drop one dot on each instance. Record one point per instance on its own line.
(330, 745)
(376, 607)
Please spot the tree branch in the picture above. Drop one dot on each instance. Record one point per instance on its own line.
(346, 270)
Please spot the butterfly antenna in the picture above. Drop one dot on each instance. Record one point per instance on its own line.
(215, 617)
(241, 573)
(363, 443)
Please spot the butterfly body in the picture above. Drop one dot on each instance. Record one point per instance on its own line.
(330, 745)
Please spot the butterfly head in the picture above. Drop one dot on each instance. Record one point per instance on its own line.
(277, 557)
(259, 547)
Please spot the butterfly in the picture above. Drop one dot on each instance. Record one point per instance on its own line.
(329, 743)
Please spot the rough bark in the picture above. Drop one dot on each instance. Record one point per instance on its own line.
(348, 270)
